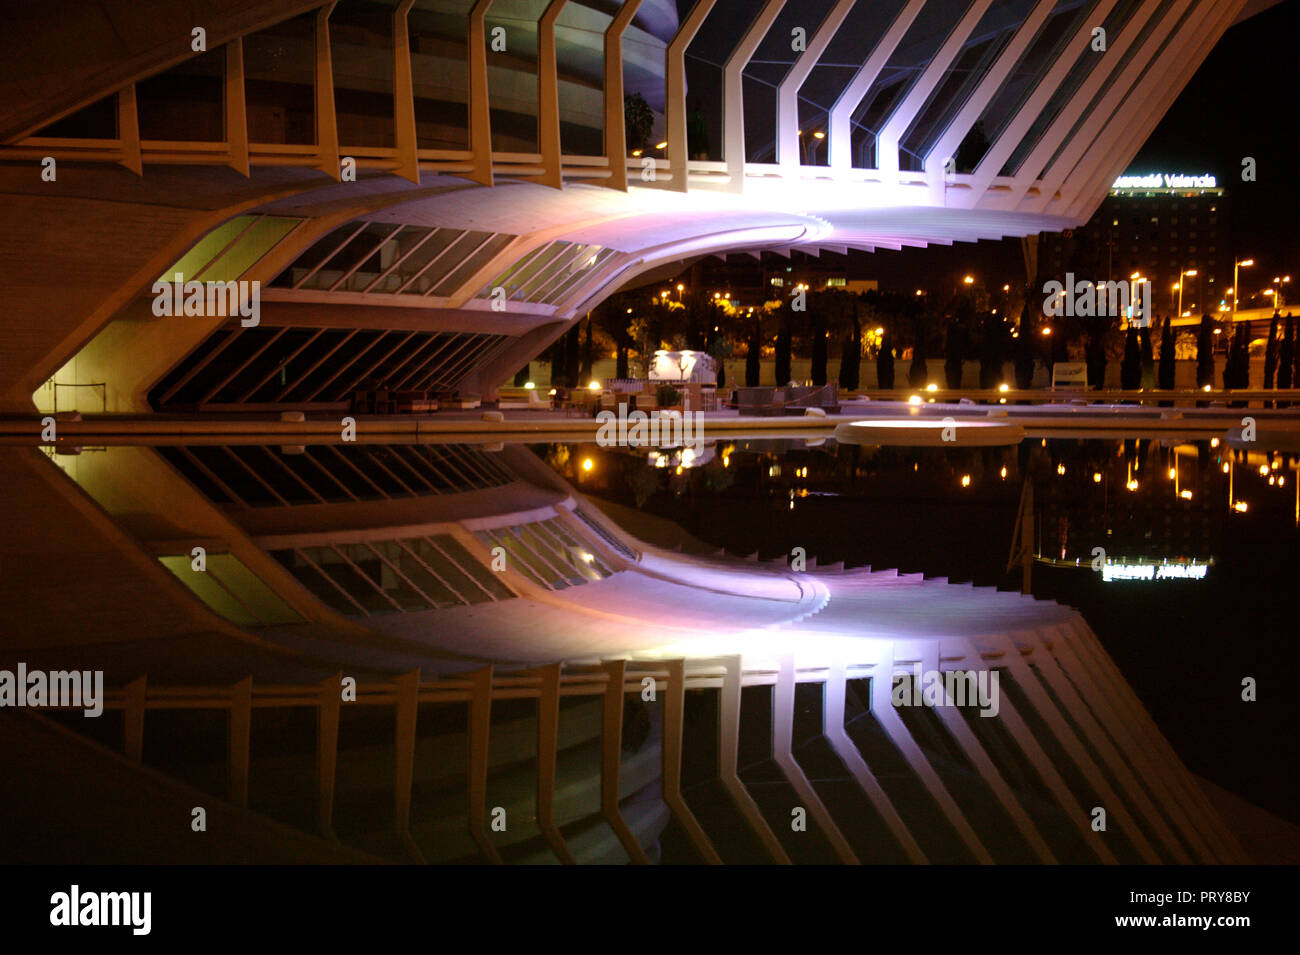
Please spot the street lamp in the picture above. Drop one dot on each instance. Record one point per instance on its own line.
(1238, 264)
(1278, 282)
(1179, 286)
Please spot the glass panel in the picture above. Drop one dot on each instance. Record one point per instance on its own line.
(440, 72)
(185, 103)
(768, 67)
(1047, 49)
(414, 561)
(517, 556)
(909, 60)
(206, 588)
(280, 80)
(362, 253)
(487, 578)
(512, 92)
(478, 254)
(1017, 158)
(578, 562)
(361, 50)
(580, 58)
(997, 27)
(320, 585)
(559, 570)
(251, 589)
(361, 578)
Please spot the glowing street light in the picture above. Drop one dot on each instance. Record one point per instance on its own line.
(1237, 265)
(1181, 276)
(1278, 282)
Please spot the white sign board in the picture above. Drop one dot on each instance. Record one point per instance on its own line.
(1165, 180)
(1070, 374)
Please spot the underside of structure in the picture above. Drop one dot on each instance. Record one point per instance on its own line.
(432, 191)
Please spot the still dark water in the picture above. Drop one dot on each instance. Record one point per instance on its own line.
(1185, 645)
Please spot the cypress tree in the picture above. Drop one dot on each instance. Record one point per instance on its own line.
(588, 357)
(557, 363)
(752, 355)
(1095, 353)
(885, 362)
(819, 348)
(572, 344)
(955, 347)
(1286, 355)
(1130, 369)
(1148, 360)
(1205, 353)
(783, 353)
(917, 376)
(1025, 352)
(1271, 351)
(1168, 362)
(851, 358)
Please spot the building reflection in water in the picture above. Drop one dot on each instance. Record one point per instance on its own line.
(450, 652)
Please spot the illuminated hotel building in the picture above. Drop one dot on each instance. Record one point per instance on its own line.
(1157, 226)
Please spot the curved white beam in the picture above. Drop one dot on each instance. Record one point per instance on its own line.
(902, 115)
(1009, 138)
(841, 149)
(1188, 50)
(548, 96)
(1105, 112)
(733, 93)
(615, 130)
(675, 91)
(787, 94)
(955, 132)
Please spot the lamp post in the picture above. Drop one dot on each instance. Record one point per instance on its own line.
(1133, 279)
(1278, 282)
(1237, 265)
(1181, 276)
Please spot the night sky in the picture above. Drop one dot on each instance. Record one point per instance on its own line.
(1241, 102)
